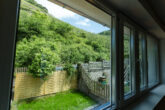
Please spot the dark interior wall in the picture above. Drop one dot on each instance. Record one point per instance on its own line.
(8, 15)
(162, 60)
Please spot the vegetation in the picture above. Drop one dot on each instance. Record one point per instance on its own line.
(69, 69)
(44, 41)
(106, 33)
(70, 100)
(40, 7)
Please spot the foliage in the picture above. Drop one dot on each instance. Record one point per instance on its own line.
(31, 24)
(38, 55)
(27, 49)
(43, 63)
(69, 69)
(37, 5)
(126, 46)
(106, 33)
(45, 40)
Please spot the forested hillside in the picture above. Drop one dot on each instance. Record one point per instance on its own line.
(44, 40)
(106, 33)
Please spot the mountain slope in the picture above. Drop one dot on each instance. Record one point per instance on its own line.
(105, 33)
(41, 34)
(31, 5)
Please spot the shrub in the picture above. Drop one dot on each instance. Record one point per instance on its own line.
(68, 67)
(43, 63)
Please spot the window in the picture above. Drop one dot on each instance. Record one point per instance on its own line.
(62, 61)
(152, 53)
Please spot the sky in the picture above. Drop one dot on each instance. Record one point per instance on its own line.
(72, 18)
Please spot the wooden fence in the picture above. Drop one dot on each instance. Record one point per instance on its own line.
(95, 87)
(27, 87)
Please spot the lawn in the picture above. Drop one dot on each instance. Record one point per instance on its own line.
(70, 100)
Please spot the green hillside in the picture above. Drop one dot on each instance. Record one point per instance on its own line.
(105, 33)
(31, 5)
(44, 41)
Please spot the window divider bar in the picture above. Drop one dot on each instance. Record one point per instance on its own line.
(146, 61)
(137, 63)
(120, 65)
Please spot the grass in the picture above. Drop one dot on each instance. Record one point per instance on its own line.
(70, 100)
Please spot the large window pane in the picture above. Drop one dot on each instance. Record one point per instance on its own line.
(63, 59)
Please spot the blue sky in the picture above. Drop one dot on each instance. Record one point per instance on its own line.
(72, 18)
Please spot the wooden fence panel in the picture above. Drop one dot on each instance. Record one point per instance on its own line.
(27, 87)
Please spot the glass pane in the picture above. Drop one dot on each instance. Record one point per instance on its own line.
(63, 59)
(127, 62)
(152, 60)
(142, 61)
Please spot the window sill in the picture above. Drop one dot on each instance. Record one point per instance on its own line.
(128, 96)
(149, 101)
(103, 107)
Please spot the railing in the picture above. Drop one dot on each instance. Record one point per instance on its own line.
(96, 88)
(94, 66)
(25, 69)
(20, 70)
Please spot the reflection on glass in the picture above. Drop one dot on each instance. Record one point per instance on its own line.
(127, 63)
(152, 52)
(60, 64)
(141, 61)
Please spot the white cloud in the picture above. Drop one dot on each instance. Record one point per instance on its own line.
(84, 22)
(55, 10)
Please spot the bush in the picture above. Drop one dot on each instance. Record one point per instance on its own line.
(43, 63)
(68, 67)
(71, 54)
(39, 55)
(32, 24)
